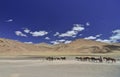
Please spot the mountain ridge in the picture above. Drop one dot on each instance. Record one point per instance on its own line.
(78, 45)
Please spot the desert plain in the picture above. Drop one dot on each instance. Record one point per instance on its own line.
(69, 68)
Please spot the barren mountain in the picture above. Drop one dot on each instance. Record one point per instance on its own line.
(84, 46)
(80, 45)
(11, 46)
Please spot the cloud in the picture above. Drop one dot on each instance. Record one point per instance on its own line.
(69, 34)
(73, 32)
(55, 42)
(93, 37)
(104, 40)
(38, 33)
(87, 24)
(80, 34)
(32, 33)
(19, 33)
(115, 36)
(26, 30)
(67, 41)
(56, 34)
(47, 38)
(112, 39)
(10, 20)
(98, 35)
(90, 38)
(28, 42)
(78, 27)
(60, 41)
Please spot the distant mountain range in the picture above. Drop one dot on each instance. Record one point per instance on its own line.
(8, 46)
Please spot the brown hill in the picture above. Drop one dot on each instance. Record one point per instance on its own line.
(84, 46)
(8, 46)
(11, 46)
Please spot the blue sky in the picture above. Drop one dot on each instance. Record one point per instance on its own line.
(56, 21)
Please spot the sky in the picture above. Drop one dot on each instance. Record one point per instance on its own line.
(60, 21)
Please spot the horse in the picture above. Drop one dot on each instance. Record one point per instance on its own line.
(96, 59)
(78, 58)
(50, 58)
(108, 59)
(63, 58)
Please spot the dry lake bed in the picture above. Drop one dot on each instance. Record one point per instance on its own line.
(41, 68)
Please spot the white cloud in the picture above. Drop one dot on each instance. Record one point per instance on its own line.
(56, 34)
(67, 41)
(105, 40)
(93, 37)
(72, 33)
(87, 24)
(80, 34)
(58, 41)
(10, 20)
(98, 35)
(69, 34)
(47, 38)
(116, 36)
(28, 42)
(61, 41)
(26, 30)
(19, 33)
(33, 33)
(55, 42)
(112, 39)
(78, 27)
(116, 31)
(90, 38)
(38, 33)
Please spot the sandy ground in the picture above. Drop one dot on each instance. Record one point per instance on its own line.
(70, 68)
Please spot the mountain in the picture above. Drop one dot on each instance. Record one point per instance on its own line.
(8, 46)
(84, 46)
